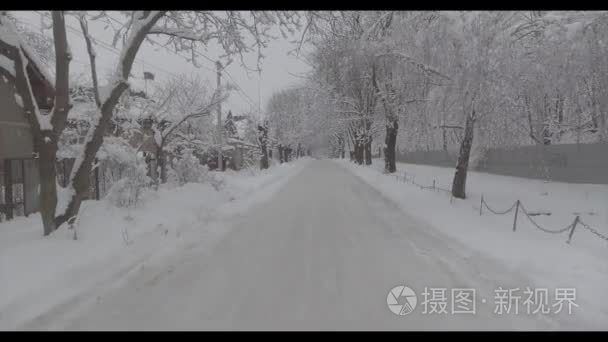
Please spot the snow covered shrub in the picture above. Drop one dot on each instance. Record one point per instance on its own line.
(188, 169)
(126, 192)
(123, 172)
(251, 169)
(215, 180)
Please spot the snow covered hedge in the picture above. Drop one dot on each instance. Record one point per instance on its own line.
(187, 168)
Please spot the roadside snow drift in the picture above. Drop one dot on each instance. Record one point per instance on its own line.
(38, 273)
(545, 258)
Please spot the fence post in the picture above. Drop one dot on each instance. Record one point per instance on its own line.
(572, 230)
(515, 218)
(480, 204)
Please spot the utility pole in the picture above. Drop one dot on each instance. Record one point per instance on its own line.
(220, 159)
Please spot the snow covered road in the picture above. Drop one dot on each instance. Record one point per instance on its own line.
(321, 254)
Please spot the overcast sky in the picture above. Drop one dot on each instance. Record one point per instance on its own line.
(276, 66)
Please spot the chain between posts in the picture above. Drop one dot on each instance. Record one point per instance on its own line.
(593, 230)
(516, 206)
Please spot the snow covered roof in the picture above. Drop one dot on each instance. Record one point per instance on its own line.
(35, 60)
(240, 142)
(10, 36)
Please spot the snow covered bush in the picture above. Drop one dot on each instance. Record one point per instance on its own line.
(188, 169)
(127, 191)
(123, 172)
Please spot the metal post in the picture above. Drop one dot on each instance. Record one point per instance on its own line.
(515, 218)
(572, 230)
(220, 159)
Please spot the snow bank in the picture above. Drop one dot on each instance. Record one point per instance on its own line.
(545, 258)
(41, 273)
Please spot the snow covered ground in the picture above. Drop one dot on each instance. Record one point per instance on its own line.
(545, 258)
(321, 254)
(39, 273)
(325, 242)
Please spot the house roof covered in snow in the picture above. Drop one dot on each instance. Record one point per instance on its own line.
(42, 81)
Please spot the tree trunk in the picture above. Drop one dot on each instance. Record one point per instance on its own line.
(281, 154)
(80, 173)
(263, 130)
(45, 139)
(358, 146)
(47, 163)
(391, 141)
(79, 180)
(368, 151)
(264, 161)
(161, 164)
(358, 153)
(368, 143)
(460, 177)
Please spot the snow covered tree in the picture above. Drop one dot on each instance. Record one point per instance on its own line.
(183, 30)
(178, 111)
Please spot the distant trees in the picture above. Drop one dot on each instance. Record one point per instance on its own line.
(364, 60)
(294, 119)
(469, 80)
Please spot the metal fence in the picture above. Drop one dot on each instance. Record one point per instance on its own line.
(572, 163)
